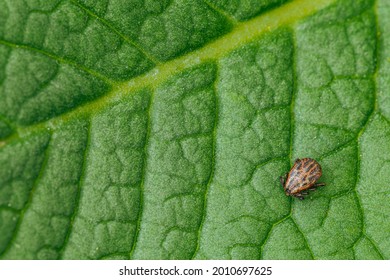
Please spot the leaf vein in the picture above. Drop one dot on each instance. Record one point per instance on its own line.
(31, 195)
(79, 189)
(116, 31)
(212, 172)
(226, 15)
(59, 59)
(143, 176)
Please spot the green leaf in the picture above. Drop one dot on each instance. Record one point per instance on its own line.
(159, 129)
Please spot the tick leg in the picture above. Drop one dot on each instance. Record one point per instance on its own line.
(316, 186)
(283, 179)
(300, 196)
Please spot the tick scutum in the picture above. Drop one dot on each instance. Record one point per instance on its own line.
(302, 177)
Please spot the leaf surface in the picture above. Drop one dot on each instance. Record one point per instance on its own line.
(159, 129)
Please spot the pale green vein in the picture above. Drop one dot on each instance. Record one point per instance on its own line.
(242, 34)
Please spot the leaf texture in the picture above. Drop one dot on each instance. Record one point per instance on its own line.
(159, 129)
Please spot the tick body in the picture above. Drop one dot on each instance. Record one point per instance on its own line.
(302, 178)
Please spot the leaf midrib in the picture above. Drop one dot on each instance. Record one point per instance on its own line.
(241, 34)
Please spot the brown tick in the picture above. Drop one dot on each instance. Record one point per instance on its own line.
(302, 178)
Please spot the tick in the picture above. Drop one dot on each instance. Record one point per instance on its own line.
(302, 178)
